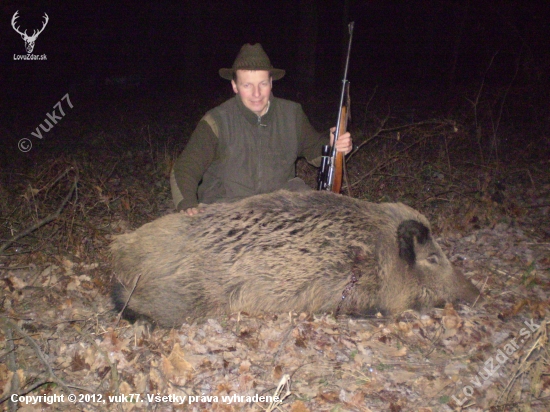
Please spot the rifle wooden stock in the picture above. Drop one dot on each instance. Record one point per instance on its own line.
(339, 161)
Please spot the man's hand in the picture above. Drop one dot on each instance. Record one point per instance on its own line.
(192, 211)
(344, 143)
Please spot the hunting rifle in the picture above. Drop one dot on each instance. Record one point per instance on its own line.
(329, 176)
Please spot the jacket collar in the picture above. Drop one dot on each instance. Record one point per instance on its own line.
(252, 117)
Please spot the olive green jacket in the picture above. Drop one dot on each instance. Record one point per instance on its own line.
(233, 153)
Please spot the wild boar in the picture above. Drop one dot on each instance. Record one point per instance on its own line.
(285, 251)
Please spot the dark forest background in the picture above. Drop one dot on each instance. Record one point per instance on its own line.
(414, 55)
(182, 44)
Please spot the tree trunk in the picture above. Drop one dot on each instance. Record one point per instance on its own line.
(461, 14)
(307, 43)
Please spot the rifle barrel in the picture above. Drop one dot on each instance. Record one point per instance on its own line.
(332, 162)
(342, 96)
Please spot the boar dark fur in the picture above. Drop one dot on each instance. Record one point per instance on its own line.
(284, 251)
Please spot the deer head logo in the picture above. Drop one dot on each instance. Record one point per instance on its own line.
(29, 40)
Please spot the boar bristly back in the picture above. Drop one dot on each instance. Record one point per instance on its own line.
(284, 251)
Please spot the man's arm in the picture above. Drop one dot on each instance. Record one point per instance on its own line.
(190, 166)
(311, 141)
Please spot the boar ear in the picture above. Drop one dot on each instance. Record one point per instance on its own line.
(407, 231)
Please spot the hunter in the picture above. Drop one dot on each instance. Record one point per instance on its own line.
(249, 144)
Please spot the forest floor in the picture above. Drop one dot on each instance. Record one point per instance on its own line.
(479, 172)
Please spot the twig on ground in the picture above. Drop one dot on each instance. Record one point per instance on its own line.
(44, 221)
(480, 291)
(127, 300)
(57, 179)
(13, 326)
(283, 383)
(12, 366)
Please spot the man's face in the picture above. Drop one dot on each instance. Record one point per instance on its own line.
(254, 87)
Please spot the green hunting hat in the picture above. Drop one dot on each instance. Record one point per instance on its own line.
(252, 57)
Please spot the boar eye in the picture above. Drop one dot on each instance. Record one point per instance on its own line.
(433, 259)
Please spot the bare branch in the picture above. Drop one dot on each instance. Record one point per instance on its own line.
(44, 221)
(13, 326)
